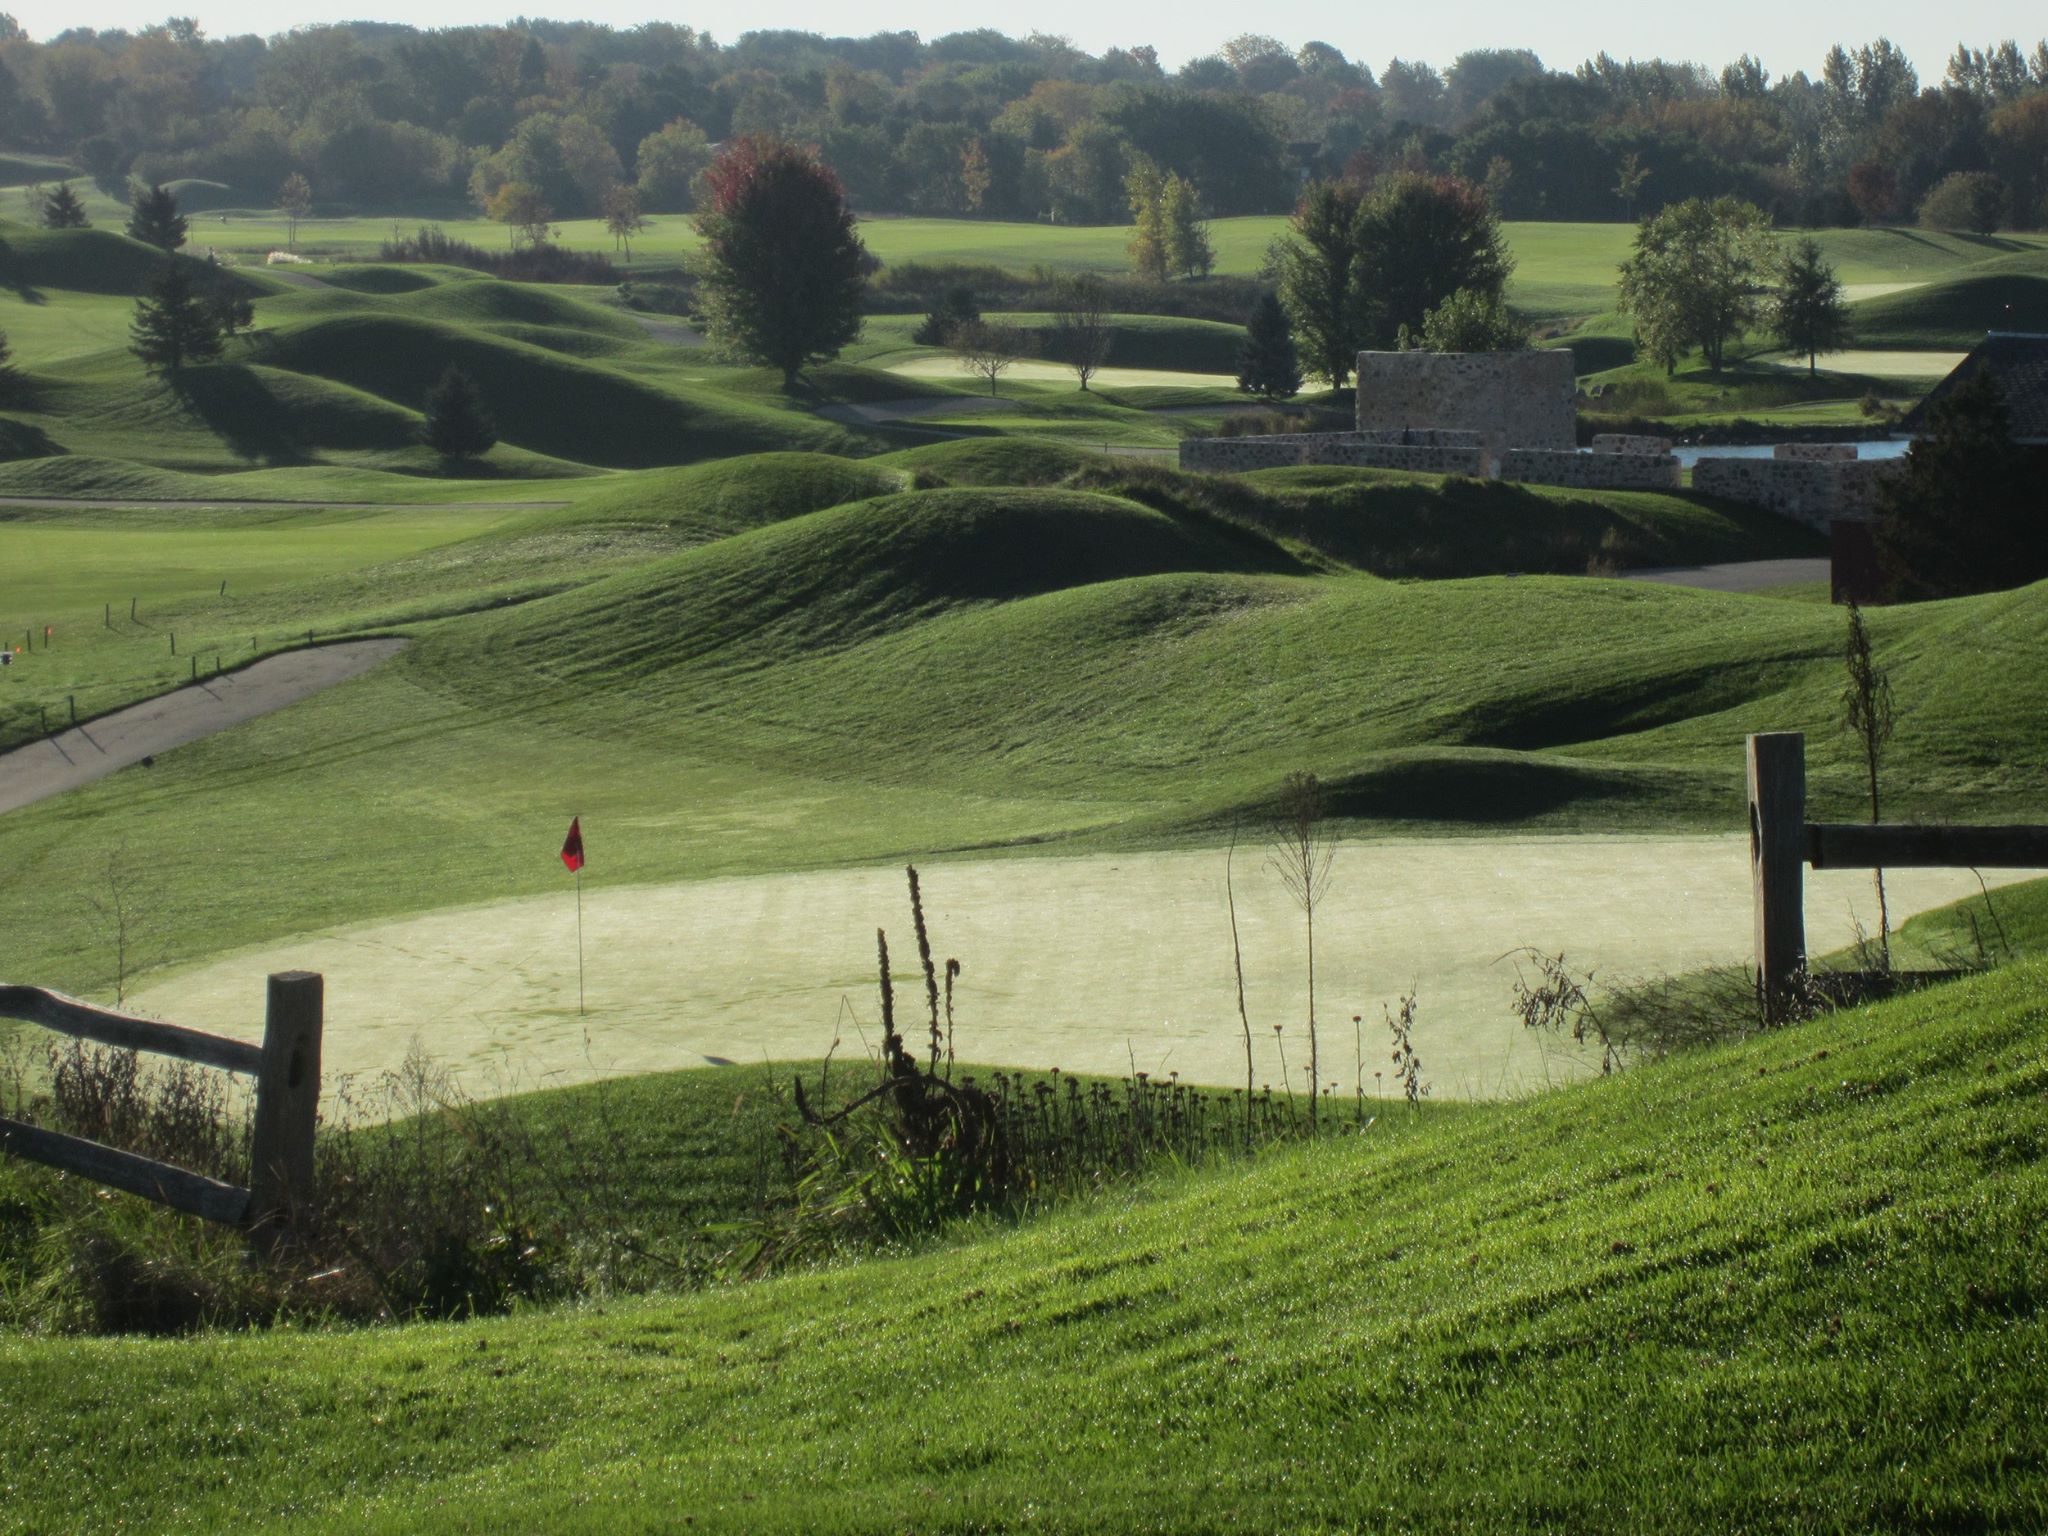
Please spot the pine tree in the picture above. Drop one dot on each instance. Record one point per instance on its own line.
(1810, 314)
(1268, 365)
(233, 309)
(153, 218)
(63, 210)
(1188, 249)
(173, 325)
(457, 425)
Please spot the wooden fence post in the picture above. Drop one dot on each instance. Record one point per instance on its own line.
(287, 1102)
(1777, 858)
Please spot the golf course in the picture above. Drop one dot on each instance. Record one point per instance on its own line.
(1245, 812)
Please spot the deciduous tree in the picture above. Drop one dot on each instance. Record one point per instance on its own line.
(1421, 239)
(1697, 278)
(1471, 321)
(622, 217)
(1082, 332)
(295, 201)
(783, 269)
(1318, 282)
(1189, 251)
(986, 349)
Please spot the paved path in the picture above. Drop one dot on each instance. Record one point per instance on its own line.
(137, 733)
(878, 413)
(145, 504)
(1740, 576)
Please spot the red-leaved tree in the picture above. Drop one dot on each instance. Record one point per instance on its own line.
(783, 269)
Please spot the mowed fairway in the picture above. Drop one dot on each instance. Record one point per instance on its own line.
(1096, 964)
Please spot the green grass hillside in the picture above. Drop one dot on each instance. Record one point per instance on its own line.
(1789, 1285)
(958, 669)
(2011, 295)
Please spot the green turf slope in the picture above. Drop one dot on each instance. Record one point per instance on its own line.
(549, 403)
(2009, 293)
(954, 669)
(1794, 1285)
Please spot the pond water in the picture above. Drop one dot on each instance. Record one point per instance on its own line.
(1886, 448)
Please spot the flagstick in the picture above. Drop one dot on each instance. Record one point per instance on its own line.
(579, 941)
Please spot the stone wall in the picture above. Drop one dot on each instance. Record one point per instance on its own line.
(1812, 453)
(1425, 451)
(1524, 397)
(1814, 491)
(1632, 471)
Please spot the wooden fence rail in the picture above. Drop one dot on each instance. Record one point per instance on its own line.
(1782, 842)
(286, 1067)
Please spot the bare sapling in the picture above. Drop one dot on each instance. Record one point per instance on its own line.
(1301, 855)
(120, 907)
(1407, 1065)
(1868, 714)
(1237, 960)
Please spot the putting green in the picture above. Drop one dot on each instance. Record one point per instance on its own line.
(1090, 964)
(1107, 378)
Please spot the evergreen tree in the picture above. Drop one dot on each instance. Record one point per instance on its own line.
(173, 325)
(457, 426)
(1318, 286)
(956, 307)
(233, 309)
(153, 218)
(1267, 364)
(63, 210)
(784, 272)
(1810, 314)
(1188, 249)
(1967, 515)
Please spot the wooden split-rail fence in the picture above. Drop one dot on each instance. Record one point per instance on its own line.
(1782, 842)
(286, 1067)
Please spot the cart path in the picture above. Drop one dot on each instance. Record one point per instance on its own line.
(135, 734)
(236, 504)
(1738, 576)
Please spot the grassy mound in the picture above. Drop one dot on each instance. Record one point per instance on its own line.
(701, 502)
(544, 401)
(21, 170)
(76, 260)
(996, 460)
(1702, 1296)
(1955, 313)
(388, 279)
(798, 587)
(1417, 526)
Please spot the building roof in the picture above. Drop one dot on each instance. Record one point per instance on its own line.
(2019, 362)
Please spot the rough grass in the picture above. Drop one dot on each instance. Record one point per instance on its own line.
(1701, 1296)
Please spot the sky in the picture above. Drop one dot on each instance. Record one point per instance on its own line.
(1787, 35)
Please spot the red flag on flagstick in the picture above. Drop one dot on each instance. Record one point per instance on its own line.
(572, 846)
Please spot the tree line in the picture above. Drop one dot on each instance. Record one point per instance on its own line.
(581, 120)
